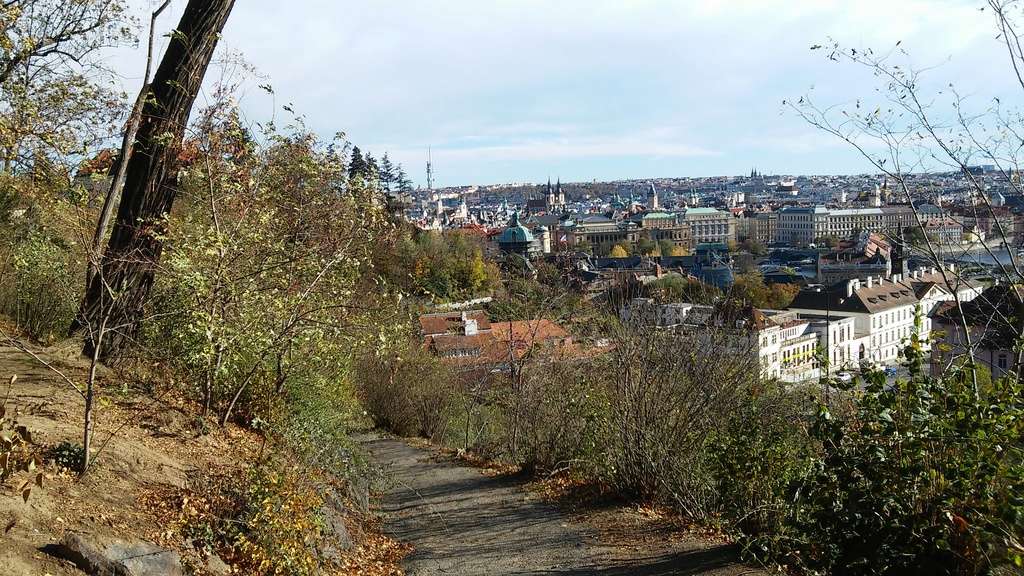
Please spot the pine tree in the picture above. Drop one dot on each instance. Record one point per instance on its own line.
(372, 171)
(402, 181)
(356, 165)
(387, 173)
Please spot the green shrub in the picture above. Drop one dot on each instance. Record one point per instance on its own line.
(266, 522)
(924, 476)
(67, 455)
(760, 452)
(407, 390)
(40, 284)
(278, 528)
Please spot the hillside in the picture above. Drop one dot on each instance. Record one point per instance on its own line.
(151, 479)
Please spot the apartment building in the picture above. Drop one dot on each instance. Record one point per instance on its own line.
(884, 313)
(709, 225)
(803, 225)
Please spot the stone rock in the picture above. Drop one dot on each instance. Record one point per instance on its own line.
(337, 539)
(216, 566)
(100, 556)
(359, 492)
(335, 530)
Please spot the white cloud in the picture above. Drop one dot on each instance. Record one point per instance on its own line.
(533, 82)
(649, 143)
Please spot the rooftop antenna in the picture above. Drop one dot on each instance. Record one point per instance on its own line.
(430, 171)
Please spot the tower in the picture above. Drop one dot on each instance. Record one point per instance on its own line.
(430, 171)
(550, 195)
(898, 264)
(559, 193)
(652, 197)
(544, 236)
(876, 197)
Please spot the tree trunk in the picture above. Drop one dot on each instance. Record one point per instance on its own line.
(127, 145)
(133, 252)
(116, 184)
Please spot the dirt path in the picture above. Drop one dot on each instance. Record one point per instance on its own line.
(461, 522)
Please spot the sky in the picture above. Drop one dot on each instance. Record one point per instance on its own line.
(526, 90)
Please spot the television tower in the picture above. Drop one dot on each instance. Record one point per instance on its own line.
(430, 171)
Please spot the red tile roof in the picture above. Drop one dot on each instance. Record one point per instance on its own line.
(453, 322)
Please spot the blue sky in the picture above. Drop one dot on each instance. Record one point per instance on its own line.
(517, 91)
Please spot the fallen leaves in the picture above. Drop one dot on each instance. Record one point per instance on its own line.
(377, 555)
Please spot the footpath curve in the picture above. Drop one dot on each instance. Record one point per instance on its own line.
(461, 522)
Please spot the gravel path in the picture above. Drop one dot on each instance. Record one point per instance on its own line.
(461, 522)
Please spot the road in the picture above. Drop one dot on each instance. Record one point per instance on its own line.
(461, 522)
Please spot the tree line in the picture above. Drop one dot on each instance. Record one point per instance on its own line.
(388, 176)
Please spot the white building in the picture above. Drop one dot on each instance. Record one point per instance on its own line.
(850, 323)
(884, 313)
(803, 225)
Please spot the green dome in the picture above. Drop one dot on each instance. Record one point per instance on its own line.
(516, 233)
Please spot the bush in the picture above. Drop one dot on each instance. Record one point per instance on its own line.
(761, 451)
(407, 390)
(278, 528)
(672, 394)
(39, 284)
(68, 455)
(924, 476)
(565, 413)
(266, 522)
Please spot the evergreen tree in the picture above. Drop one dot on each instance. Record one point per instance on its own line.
(387, 173)
(356, 165)
(372, 171)
(402, 182)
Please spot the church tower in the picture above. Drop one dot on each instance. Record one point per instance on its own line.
(560, 193)
(897, 259)
(652, 198)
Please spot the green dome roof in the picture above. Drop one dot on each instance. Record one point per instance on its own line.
(516, 233)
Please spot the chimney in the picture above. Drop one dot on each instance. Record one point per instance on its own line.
(871, 281)
(469, 325)
(852, 286)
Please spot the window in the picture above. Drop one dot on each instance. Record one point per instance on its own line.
(1002, 361)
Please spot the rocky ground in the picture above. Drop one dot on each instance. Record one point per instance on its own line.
(459, 520)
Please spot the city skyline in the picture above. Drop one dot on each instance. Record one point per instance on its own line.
(588, 91)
